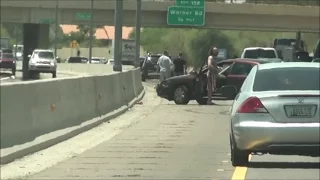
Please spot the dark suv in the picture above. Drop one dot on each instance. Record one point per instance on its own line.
(7, 61)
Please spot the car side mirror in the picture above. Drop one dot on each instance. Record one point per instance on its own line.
(29, 56)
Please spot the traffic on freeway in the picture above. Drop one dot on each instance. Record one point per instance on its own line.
(7, 77)
(247, 118)
(270, 131)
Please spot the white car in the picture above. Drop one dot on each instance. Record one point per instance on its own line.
(277, 112)
(43, 61)
(259, 52)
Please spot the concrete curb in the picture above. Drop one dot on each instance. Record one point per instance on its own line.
(19, 153)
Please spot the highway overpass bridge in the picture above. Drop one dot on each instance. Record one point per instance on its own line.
(154, 14)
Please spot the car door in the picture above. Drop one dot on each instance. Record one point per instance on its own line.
(222, 77)
(238, 73)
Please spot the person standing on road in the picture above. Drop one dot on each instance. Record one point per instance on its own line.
(180, 65)
(212, 73)
(164, 63)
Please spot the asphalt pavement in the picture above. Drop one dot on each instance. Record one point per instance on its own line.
(157, 139)
(6, 77)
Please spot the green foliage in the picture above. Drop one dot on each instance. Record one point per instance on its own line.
(195, 43)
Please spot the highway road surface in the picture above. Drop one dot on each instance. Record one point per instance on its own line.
(157, 139)
(6, 77)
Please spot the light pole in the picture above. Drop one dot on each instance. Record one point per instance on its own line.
(137, 36)
(56, 29)
(91, 32)
(117, 53)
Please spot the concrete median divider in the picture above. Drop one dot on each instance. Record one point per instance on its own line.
(38, 114)
(84, 69)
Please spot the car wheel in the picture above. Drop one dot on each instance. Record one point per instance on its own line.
(143, 78)
(238, 157)
(202, 101)
(13, 72)
(180, 95)
(54, 74)
(230, 93)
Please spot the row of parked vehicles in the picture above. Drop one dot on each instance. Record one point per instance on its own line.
(233, 72)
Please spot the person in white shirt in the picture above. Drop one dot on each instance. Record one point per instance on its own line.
(164, 63)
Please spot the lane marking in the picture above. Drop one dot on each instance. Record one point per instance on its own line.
(240, 172)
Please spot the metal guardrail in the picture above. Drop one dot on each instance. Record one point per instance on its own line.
(275, 2)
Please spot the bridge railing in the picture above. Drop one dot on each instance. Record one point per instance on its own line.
(277, 2)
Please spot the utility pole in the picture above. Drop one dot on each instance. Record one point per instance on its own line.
(91, 32)
(117, 53)
(137, 36)
(56, 29)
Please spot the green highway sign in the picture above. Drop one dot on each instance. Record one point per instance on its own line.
(47, 21)
(83, 16)
(190, 3)
(186, 16)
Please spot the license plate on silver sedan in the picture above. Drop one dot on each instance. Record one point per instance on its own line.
(307, 111)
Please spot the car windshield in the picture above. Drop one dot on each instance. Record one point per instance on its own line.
(259, 53)
(286, 42)
(291, 78)
(154, 59)
(45, 55)
(7, 55)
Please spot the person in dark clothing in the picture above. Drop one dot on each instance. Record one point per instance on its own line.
(78, 53)
(180, 65)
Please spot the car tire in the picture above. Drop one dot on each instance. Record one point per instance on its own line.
(238, 157)
(231, 94)
(54, 74)
(202, 101)
(180, 95)
(13, 72)
(143, 78)
(31, 74)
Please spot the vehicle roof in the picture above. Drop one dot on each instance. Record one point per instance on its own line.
(288, 65)
(43, 50)
(246, 60)
(253, 48)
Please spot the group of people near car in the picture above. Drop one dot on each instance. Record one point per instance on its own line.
(180, 68)
(165, 64)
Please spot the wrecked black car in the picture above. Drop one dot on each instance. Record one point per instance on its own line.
(193, 86)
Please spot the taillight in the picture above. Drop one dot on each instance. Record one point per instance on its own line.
(252, 105)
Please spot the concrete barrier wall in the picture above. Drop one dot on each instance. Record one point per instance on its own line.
(31, 109)
(88, 69)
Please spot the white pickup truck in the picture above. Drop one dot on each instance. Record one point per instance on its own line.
(259, 53)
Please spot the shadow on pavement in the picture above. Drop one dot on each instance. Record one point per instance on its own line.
(285, 165)
(5, 74)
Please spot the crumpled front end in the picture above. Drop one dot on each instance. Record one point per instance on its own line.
(163, 90)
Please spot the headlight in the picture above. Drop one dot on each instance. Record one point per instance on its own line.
(52, 63)
(165, 84)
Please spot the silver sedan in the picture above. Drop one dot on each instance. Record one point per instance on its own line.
(276, 112)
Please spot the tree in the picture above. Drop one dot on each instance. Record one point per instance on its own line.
(202, 40)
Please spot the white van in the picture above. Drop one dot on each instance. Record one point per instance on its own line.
(259, 53)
